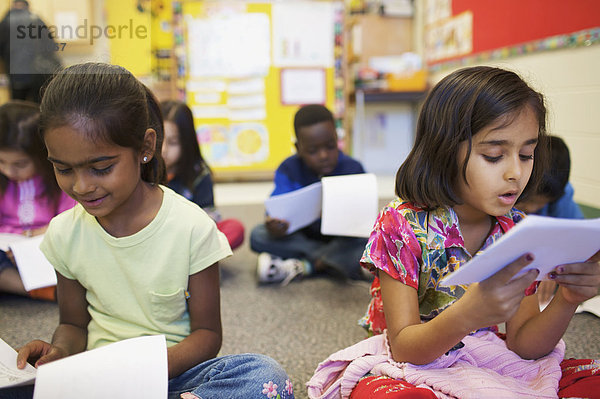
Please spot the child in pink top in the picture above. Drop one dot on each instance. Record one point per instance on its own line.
(29, 194)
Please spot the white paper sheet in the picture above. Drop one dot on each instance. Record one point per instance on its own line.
(303, 86)
(34, 268)
(591, 306)
(297, 43)
(235, 45)
(300, 207)
(10, 375)
(552, 241)
(133, 368)
(350, 205)
(8, 238)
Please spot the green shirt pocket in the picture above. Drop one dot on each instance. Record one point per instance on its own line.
(168, 308)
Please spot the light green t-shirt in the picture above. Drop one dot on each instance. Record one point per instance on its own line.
(136, 284)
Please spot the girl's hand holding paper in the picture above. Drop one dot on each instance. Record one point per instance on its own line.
(39, 352)
(578, 282)
(502, 294)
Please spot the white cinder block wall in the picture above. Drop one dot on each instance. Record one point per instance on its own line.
(570, 80)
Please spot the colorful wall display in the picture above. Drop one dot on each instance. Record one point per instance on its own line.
(469, 31)
(236, 54)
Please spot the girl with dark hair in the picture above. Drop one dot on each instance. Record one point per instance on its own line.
(133, 258)
(29, 194)
(481, 144)
(187, 172)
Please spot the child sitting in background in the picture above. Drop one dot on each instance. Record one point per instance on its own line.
(480, 144)
(554, 197)
(133, 257)
(284, 256)
(187, 172)
(29, 194)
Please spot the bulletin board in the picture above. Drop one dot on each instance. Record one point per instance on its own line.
(236, 53)
(131, 51)
(497, 29)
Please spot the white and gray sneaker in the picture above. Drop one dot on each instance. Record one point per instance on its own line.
(272, 269)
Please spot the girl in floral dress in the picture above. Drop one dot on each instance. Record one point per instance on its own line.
(481, 144)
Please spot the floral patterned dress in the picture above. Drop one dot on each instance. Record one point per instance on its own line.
(419, 248)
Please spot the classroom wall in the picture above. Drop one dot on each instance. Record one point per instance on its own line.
(570, 80)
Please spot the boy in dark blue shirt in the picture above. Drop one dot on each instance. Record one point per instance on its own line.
(284, 256)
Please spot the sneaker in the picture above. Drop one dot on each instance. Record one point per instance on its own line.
(272, 269)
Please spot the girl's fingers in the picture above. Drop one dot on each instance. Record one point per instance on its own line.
(581, 280)
(506, 274)
(583, 268)
(51, 356)
(22, 357)
(33, 349)
(595, 257)
(577, 294)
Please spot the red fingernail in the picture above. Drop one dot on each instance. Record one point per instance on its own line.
(560, 269)
(529, 257)
(552, 275)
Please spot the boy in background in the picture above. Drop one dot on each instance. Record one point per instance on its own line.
(554, 198)
(284, 256)
(555, 194)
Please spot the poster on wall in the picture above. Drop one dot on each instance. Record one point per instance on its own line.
(297, 43)
(452, 37)
(238, 144)
(303, 86)
(234, 45)
(437, 10)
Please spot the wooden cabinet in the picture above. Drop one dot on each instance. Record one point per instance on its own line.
(378, 120)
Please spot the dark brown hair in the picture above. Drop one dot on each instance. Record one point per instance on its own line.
(109, 104)
(190, 162)
(19, 130)
(311, 114)
(554, 181)
(458, 107)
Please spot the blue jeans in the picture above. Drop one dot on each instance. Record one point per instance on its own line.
(342, 254)
(246, 375)
(5, 262)
(23, 392)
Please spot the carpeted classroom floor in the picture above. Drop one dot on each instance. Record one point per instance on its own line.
(298, 325)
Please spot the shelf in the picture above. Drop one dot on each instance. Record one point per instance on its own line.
(385, 96)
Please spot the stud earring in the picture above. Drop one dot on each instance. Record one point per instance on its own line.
(145, 159)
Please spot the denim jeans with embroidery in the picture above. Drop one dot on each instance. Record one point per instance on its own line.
(233, 376)
(248, 376)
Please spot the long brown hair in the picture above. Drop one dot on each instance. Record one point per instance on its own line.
(190, 162)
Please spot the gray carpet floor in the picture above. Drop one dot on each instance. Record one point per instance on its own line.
(298, 325)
